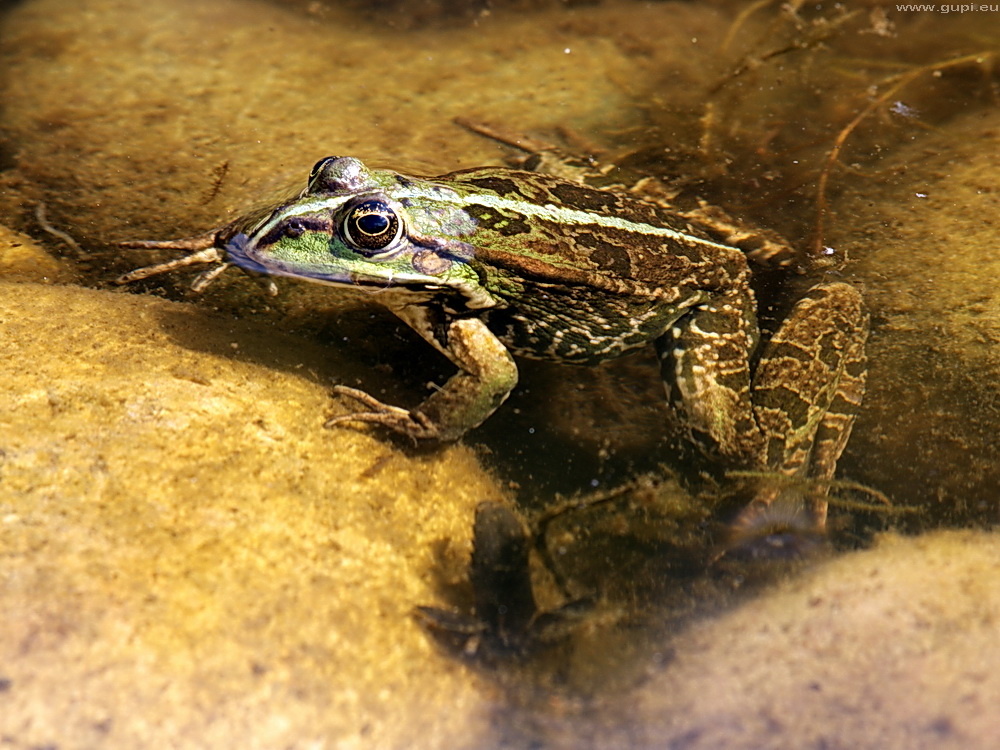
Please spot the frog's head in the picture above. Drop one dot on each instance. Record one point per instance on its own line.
(353, 226)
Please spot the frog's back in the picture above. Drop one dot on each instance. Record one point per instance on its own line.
(584, 274)
(548, 228)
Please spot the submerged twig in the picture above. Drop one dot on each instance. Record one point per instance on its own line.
(57, 233)
(219, 176)
(897, 82)
(205, 279)
(540, 525)
(820, 32)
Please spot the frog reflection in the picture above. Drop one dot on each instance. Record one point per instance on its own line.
(506, 621)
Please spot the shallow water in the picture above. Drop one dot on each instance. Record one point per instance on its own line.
(190, 559)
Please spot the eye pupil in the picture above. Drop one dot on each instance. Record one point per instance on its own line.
(371, 225)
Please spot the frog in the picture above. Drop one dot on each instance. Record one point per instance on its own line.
(494, 263)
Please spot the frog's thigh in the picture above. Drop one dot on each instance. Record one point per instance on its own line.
(487, 374)
(808, 386)
(705, 362)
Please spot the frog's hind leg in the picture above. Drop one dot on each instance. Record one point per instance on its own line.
(807, 392)
(835, 427)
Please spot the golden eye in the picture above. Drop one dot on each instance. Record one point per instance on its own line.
(372, 225)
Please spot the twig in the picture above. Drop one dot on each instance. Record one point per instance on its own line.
(219, 173)
(57, 233)
(898, 82)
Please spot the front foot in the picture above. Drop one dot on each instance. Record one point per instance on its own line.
(413, 424)
(487, 374)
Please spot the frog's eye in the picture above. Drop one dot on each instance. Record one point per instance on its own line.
(372, 226)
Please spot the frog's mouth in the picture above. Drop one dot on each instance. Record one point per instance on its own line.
(347, 272)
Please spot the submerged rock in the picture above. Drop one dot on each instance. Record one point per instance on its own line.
(893, 647)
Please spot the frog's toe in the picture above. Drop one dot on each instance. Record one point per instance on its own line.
(410, 423)
(768, 250)
(436, 619)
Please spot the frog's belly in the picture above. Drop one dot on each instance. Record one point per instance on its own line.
(568, 328)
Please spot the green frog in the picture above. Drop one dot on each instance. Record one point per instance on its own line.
(493, 263)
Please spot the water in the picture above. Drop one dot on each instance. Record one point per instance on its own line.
(190, 559)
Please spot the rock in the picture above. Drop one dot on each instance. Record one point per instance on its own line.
(188, 557)
(23, 259)
(893, 647)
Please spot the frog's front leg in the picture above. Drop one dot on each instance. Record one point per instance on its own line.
(487, 374)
